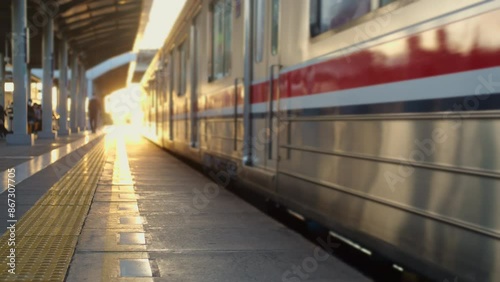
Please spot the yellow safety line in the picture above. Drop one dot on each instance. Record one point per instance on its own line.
(46, 236)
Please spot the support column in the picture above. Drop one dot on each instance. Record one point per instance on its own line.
(83, 95)
(2, 82)
(48, 49)
(90, 87)
(74, 94)
(28, 83)
(20, 76)
(63, 90)
(90, 94)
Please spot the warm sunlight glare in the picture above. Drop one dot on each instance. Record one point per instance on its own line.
(124, 106)
(161, 19)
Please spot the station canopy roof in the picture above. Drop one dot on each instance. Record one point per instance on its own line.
(95, 29)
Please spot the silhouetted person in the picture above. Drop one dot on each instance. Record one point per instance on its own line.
(38, 117)
(10, 113)
(94, 108)
(3, 114)
(31, 117)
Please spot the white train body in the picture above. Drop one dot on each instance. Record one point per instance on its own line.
(378, 121)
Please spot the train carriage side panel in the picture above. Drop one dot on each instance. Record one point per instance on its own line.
(376, 143)
(379, 124)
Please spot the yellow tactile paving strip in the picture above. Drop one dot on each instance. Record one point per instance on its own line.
(46, 236)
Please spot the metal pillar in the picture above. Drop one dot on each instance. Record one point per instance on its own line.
(74, 94)
(20, 76)
(63, 90)
(90, 88)
(90, 92)
(2, 81)
(48, 49)
(28, 83)
(87, 98)
(82, 119)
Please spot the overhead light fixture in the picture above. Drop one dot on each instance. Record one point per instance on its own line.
(9, 87)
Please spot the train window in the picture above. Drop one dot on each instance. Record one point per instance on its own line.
(260, 16)
(182, 69)
(332, 14)
(221, 38)
(171, 80)
(170, 95)
(275, 26)
(385, 2)
(328, 15)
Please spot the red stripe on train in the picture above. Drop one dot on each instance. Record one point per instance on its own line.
(466, 45)
(469, 44)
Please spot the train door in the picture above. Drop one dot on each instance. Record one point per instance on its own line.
(194, 49)
(158, 105)
(265, 85)
(165, 101)
(161, 100)
(171, 97)
(151, 110)
(155, 108)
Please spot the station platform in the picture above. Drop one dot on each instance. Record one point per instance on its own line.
(36, 168)
(129, 211)
(12, 155)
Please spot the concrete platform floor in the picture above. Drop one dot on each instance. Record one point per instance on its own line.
(146, 223)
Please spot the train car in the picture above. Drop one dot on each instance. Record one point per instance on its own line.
(375, 118)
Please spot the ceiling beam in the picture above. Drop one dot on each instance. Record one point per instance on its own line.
(66, 7)
(88, 11)
(93, 22)
(93, 36)
(120, 44)
(109, 28)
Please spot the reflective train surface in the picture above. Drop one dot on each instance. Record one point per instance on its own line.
(377, 119)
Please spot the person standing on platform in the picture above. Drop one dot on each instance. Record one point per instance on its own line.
(94, 109)
(31, 117)
(38, 117)
(3, 114)
(10, 113)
